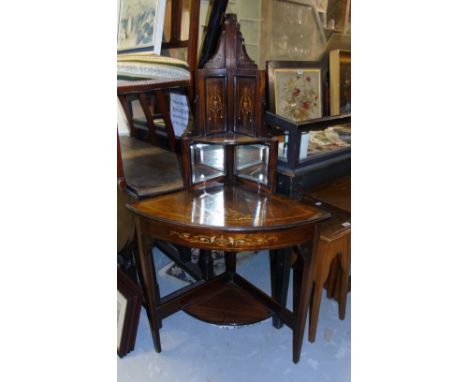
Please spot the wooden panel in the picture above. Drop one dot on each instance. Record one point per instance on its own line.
(215, 105)
(244, 104)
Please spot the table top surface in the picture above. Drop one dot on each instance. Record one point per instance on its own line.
(228, 207)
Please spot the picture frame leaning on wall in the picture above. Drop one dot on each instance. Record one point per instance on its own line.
(129, 300)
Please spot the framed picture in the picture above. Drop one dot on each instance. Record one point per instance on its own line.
(340, 82)
(295, 89)
(140, 25)
(129, 298)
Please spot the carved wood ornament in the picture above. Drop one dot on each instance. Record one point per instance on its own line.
(230, 87)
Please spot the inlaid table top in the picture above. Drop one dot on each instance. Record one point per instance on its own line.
(229, 208)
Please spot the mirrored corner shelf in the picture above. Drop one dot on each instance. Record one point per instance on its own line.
(231, 159)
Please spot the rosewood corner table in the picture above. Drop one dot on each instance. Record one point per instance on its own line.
(231, 219)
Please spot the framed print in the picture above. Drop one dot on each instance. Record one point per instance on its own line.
(295, 89)
(340, 82)
(129, 298)
(140, 25)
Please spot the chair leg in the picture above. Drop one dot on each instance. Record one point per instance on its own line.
(164, 108)
(148, 116)
(127, 106)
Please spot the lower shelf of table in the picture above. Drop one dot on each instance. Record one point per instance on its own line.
(230, 306)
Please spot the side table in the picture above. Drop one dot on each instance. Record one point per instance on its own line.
(231, 219)
(334, 251)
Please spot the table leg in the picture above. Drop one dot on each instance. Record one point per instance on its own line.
(205, 262)
(149, 283)
(321, 266)
(345, 262)
(280, 264)
(230, 260)
(332, 276)
(309, 256)
(297, 279)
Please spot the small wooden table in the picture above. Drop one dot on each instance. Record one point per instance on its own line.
(231, 219)
(334, 252)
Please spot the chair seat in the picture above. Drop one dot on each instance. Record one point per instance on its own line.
(150, 68)
(149, 170)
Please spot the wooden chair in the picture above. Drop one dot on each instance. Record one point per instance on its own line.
(168, 74)
(143, 170)
(165, 74)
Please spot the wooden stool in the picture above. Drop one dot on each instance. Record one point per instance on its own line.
(335, 243)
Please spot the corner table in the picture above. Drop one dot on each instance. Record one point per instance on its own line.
(232, 219)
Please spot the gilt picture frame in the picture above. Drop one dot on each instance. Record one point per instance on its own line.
(340, 82)
(295, 89)
(140, 26)
(129, 300)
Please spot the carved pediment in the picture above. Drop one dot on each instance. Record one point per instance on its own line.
(227, 56)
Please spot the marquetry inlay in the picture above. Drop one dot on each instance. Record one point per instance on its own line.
(215, 105)
(245, 107)
(241, 240)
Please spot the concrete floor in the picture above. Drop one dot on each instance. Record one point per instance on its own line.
(194, 351)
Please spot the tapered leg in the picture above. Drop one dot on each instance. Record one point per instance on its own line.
(280, 264)
(304, 295)
(185, 254)
(205, 261)
(337, 288)
(149, 283)
(230, 261)
(332, 277)
(345, 262)
(297, 280)
(321, 264)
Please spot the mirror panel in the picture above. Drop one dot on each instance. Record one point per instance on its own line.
(251, 162)
(207, 162)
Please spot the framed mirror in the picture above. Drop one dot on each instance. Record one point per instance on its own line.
(208, 162)
(251, 162)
